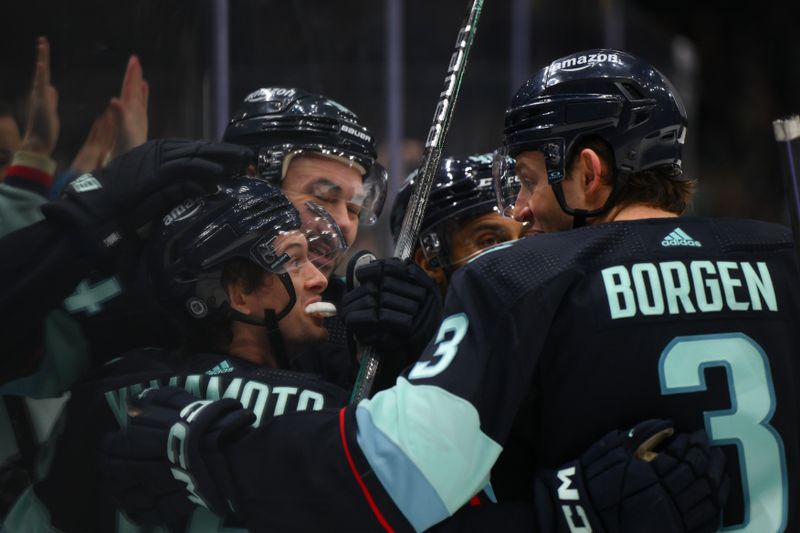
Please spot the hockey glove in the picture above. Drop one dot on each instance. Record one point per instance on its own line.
(624, 484)
(168, 459)
(111, 204)
(396, 309)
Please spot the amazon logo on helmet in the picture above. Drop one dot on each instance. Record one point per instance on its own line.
(580, 62)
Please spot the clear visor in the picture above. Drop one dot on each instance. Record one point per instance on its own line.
(318, 242)
(363, 201)
(506, 182)
(453, 243)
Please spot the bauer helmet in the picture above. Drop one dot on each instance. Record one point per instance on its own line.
(282, 123)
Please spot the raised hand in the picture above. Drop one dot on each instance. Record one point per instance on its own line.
(41, 131)
(130, 108)
(98, 145)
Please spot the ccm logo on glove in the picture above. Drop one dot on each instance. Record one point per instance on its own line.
(568, 494)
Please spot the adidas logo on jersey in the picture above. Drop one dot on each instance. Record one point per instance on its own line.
(223, 368)
(678, 237)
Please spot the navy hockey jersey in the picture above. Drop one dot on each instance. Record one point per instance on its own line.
(69, 498)
(547, 344)
(558, 338)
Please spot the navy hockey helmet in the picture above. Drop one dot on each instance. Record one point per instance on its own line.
(605, 93)
(246, 218)
(462, 189)
(280, 123)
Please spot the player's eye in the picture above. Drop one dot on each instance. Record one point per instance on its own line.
(527, 183)
(296, 259)
(353, 210)
(325, 198)
(488, 239)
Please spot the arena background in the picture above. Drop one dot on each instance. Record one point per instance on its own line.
(385, 59)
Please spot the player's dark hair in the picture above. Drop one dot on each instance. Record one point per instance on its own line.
(243, 271)
(653, 187)
(214, 332)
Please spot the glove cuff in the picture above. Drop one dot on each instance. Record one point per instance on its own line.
(67, 211)
(34, 160)
(562, 501)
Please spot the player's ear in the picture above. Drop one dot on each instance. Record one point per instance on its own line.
(592, 168)
(249, 300)
(238, 298)
(592, 173)
(435, 273)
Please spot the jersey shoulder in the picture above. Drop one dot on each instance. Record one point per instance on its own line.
(512, 271)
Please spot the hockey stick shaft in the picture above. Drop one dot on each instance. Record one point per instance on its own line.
(787, 135)
(412, 221)
(440, 124)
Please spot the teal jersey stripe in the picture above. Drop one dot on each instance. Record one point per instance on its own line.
(422, 438)
(407, 486)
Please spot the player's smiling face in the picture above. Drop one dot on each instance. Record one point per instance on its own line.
(536, 203)
(480, 233)
(330, 183)
(298, 329)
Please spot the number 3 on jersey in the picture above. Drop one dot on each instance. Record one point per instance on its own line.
(745, 424)
(445, 349)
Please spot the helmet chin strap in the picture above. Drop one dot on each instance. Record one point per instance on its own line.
(270, 323)
(276, 339)
(580, 216)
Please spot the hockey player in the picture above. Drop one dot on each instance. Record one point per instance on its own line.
(101, 317)
(241, 272)
(315, 149)
(461, 217)
(550, 339)
(461, 220)
(310, 145)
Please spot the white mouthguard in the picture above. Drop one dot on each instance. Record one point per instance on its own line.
(323, 309)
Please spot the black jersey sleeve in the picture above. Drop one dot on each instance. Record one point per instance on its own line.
(41, 266)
